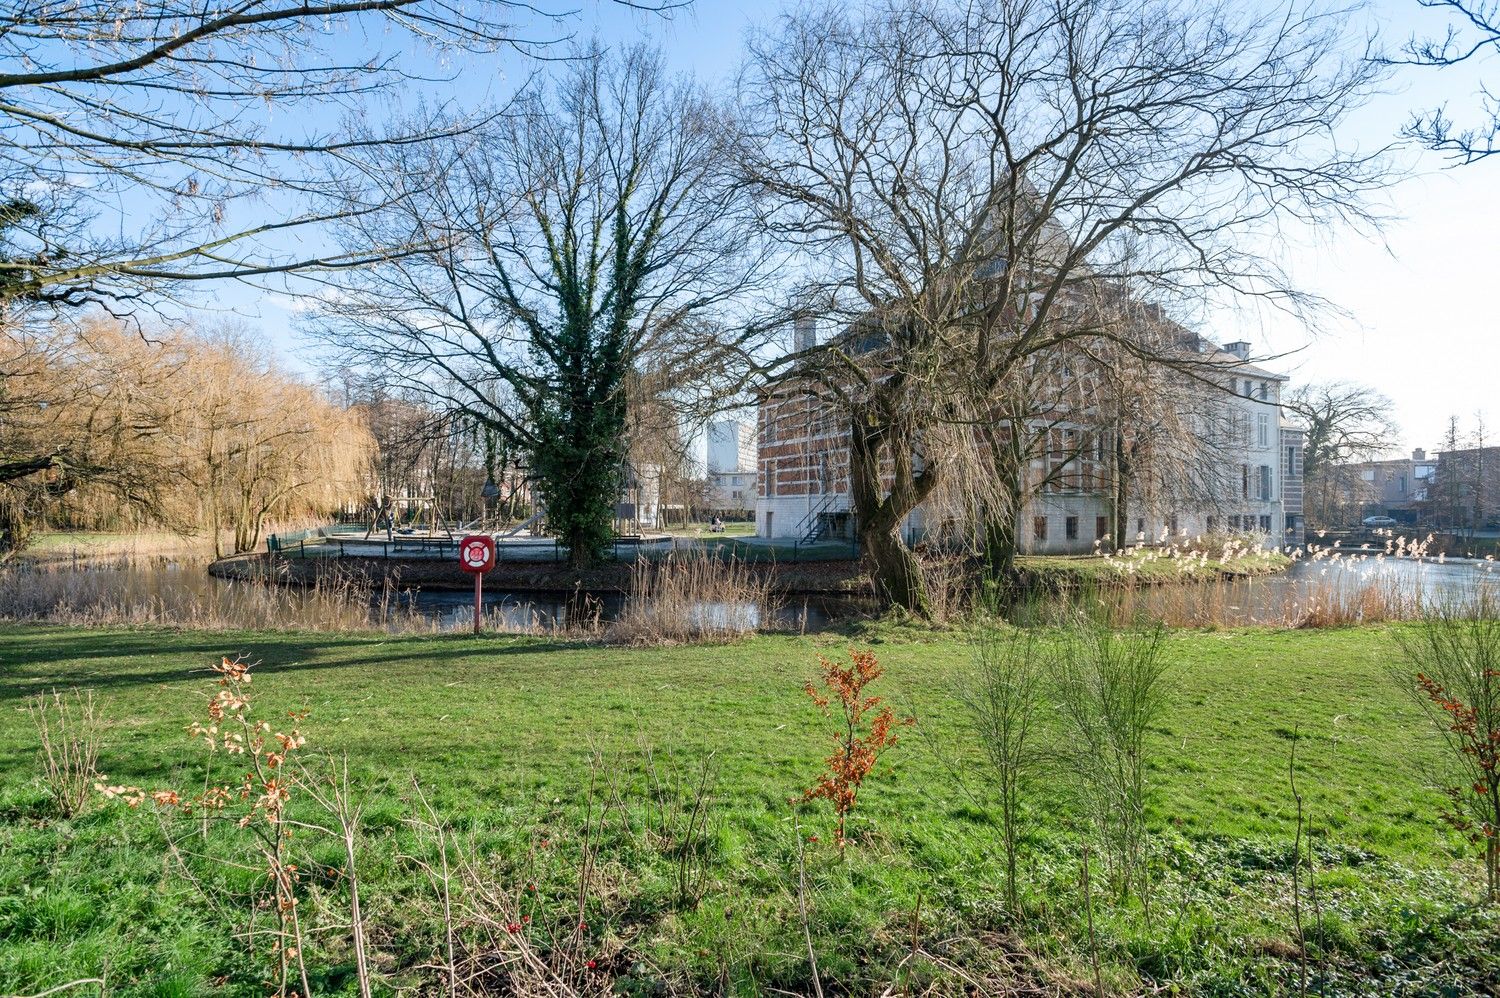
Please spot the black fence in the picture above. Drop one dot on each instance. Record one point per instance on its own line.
(325, 543)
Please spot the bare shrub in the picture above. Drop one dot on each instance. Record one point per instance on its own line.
(70, 730)
(679, 803)
(1002, 695)
(692, 596)
(1111, 691)
(519, 929)
(1454, 652)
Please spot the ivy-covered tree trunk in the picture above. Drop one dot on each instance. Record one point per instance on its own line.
(578, 462)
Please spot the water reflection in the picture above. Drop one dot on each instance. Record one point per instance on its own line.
(1358, 588)
(184, 594)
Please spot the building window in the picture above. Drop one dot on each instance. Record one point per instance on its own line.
(1265, 482)
(1070, 527)
(1208, 525)
(1263, 429)
(1265, 524)
(1140, 526)
(769, 516)
(1039, 528)
(1234, 522)
(1172, 525)
(1101, 527)
(770, 479)
(1245, 481)
(1291, 460)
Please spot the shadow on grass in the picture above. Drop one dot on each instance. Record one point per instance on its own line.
(30, 654)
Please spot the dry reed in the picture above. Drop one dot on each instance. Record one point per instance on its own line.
(692, 596)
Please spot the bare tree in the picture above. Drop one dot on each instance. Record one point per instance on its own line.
(592, 233)
(977, 187)
(145, 142)
(187, 431)
(1472, 35)
(1345, 423)
(79, 405)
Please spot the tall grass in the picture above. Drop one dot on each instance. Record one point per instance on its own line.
(693, 595)
(336, 600)
(1334, 587)
(681, 598)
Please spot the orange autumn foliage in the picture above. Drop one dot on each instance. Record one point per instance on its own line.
(866, 729)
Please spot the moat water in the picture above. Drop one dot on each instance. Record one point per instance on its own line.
(184, 594)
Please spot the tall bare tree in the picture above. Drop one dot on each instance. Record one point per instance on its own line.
(595, 231)
(146, 142)
(1473, 34)
(1345, 423)
(972, 183)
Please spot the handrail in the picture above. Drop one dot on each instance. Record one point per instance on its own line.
(811, 523)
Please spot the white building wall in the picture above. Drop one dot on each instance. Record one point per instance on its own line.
(1254, 501)
(733, 490)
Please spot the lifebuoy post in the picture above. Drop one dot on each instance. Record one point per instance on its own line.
(476, 555)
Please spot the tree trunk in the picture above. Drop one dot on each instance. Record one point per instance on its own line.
(1007, 455)
(895, 570)
(880, 514)
(1000, 545)
(580, 555)
(1120, 513)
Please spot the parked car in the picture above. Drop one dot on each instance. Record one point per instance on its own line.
(1378, 521)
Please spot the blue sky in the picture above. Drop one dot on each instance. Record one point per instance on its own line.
(1420, 316)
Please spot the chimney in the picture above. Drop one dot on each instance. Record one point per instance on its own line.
(1418, 454)
(1240, 348)
(804, 334)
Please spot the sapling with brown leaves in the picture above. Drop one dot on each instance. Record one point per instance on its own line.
(864, 729)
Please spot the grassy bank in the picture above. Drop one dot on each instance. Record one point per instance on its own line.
(1142, 567)
(500, 733)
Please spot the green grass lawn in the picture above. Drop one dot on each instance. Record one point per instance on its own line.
(500, 732)
(731, 528)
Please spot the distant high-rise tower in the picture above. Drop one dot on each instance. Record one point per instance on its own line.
(805, 334)
(731, 447)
